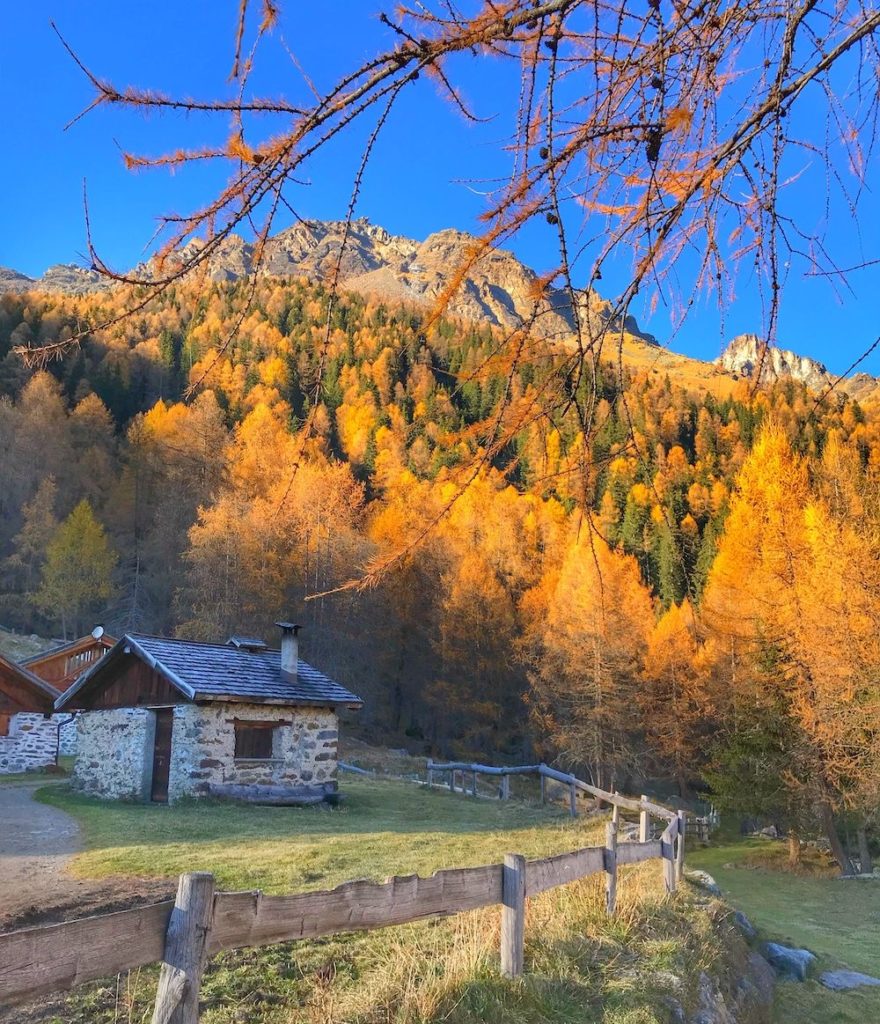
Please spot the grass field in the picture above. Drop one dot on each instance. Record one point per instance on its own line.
(382, 828)
(581, 965)
(65, 766)
(837, 920)
(18, 646)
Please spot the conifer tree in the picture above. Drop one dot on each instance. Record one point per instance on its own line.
(77, 576)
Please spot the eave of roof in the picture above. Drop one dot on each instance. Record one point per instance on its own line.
(27, 679)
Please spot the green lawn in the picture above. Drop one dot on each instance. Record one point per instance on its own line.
(837, 920)
(65, 766)
(581, 966)
(382, 828)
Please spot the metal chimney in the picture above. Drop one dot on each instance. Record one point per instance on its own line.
(289, 648)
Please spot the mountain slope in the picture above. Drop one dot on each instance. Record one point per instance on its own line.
(496, 289)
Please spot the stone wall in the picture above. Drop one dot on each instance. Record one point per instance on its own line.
(203, 748)
(115, 750)
(30, 744)
(115, 753)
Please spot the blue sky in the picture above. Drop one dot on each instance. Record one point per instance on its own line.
(426, 173)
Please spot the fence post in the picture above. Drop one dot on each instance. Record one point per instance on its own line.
(679, 853)
(186, 942)
(572, 798)
(430, 773)
(474, 785)
(644, 823)
(543, 781)
(667, 841)
(451, 780)
(615, 813)
(610, 867)
(513, 914)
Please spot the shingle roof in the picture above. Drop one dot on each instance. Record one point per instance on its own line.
(223, 672)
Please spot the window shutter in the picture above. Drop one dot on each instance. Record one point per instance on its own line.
(253, 740)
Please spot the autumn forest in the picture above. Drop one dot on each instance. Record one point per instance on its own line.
(687, 591)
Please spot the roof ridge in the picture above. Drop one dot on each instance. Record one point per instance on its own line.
(198, 643)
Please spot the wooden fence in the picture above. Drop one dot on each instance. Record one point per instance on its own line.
(200, 922)
(642, 805)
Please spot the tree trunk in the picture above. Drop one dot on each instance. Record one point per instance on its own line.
(866, 865)
(837, 850)
(794, 849)
(684, 790)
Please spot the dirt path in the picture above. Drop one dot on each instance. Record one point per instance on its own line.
(36, 845)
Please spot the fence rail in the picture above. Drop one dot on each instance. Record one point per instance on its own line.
(199, 922)
(643, 805)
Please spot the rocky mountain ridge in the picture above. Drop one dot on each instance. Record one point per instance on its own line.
(68, 278)
(497, 289)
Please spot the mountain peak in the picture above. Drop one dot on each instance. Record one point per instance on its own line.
(750, 356)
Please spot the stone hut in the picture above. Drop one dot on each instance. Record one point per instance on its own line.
(162, 719)
(28, 735)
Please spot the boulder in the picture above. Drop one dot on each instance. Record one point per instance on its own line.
(789, 962)
(839, 981)
(712, 1008)
(757, 985)
(704, 880)
(748, 930)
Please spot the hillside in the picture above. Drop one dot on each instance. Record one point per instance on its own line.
(18, 646)
(496, 289)
(216, 523)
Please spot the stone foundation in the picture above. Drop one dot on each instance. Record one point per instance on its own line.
(31, 743)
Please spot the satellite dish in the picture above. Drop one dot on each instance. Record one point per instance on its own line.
(98, 632)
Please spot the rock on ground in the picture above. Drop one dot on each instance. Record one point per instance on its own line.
(704, 880)
(751, 1000)
(789, 962)
(842, 980)
(748, 930)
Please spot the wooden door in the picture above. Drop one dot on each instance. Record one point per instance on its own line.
(162, 755)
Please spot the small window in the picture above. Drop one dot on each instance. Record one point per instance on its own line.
(254, 740)
(4, 725)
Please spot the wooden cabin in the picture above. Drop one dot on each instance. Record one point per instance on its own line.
(29, 736)
(160, 719)
(63, 665)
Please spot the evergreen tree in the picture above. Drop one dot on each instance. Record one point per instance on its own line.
(77, 576)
